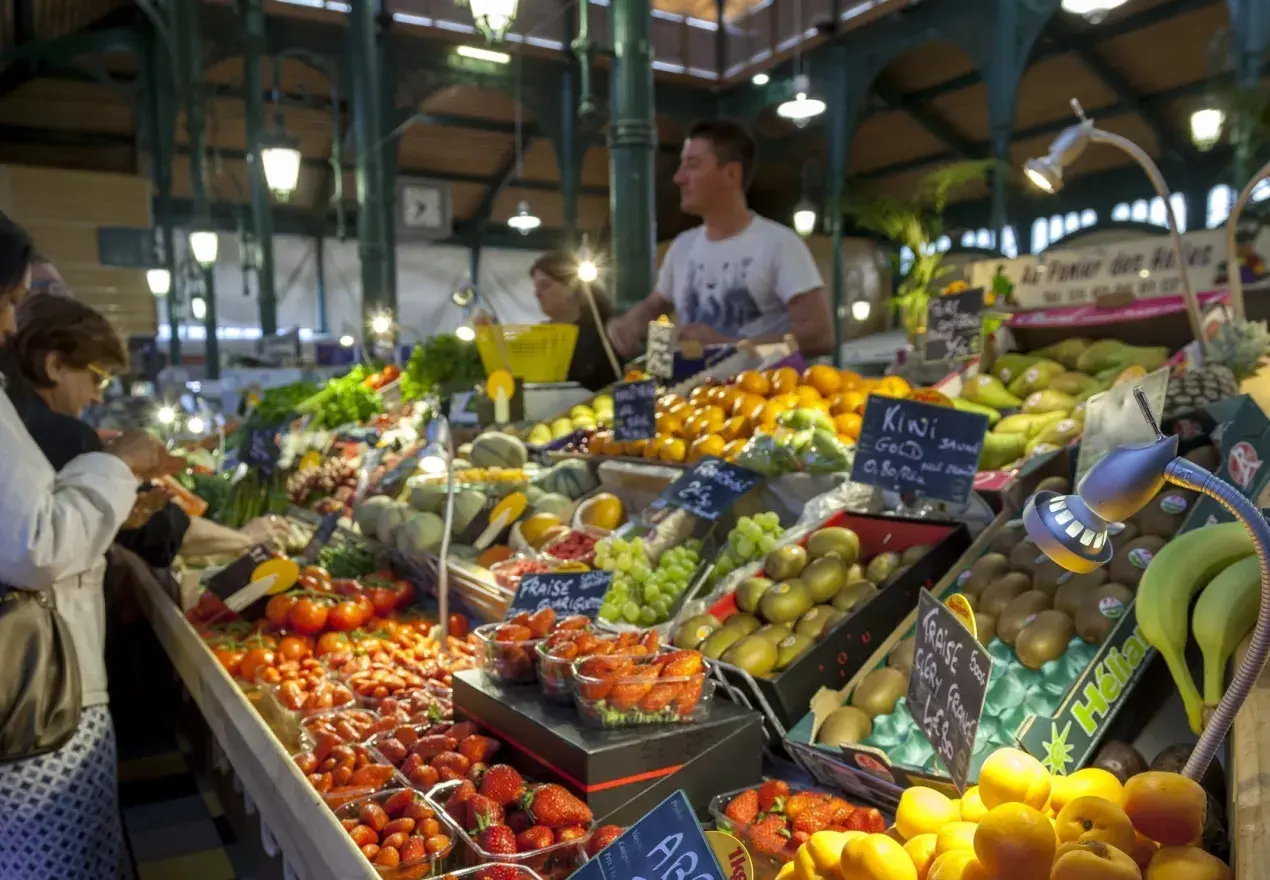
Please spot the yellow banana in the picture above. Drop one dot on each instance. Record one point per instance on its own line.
(1224, 614)
(1182, 568)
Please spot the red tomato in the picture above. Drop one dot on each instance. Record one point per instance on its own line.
(312, 584)
(294, 648)
(254, 661)
(345, 587)
(345, 616)
(331, 643)
(278, 610)
(458, 626)
(367, 607)
(230, 658)
(316, 571)
(383, 599)
(308, 616)
(405, 593)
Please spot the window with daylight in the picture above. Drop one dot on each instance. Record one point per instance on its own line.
(1221, 199)
(1047, 230)
(1120, 213)
(987, 239)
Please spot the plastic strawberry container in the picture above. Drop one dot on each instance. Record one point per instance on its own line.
(418, 707)
(303, 701)
(637, 698)
(325, 770)
(508, 662)
(416, 859)
(494, 871)
(554, 862)
(411, 747)
(347, 725)
(555, 674)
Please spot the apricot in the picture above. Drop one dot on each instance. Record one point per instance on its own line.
(753, 382)
(921, 849)
(786, 872)
(1091, 781)
(1015, 840)
(1013, 776)
(1093, 860)
(1168, 808)
(1185, 863)
(783, 380)
(923, 811)
(875, 857)
(1094, 818)
(824, 850)
(955, 835)
(972, 808)
(823, 378)
(1143, 850)
(959, 864)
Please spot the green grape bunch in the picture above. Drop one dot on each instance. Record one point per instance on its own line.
(642, 594)
(751, 539)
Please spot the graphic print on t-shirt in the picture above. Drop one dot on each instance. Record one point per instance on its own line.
(723, 300)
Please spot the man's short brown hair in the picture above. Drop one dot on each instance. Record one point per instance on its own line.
(77, 332)
(731, 142)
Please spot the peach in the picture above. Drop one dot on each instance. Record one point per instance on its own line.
(875, 857)
(1186, 863)
(1013, 776)
(923, 811)
(1143, 850)
(955, 835)
(1168, 808)
(959, 864)
(1015, 840)
(972, 808)
(1091, 781)
(921, 849)
(1093, 818)
(824, 850)
(1093, 860)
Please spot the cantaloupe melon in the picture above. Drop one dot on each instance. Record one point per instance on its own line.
(467, 506)
(366, 516)
(493, 449)
(428, 497)
(420, 534)
(390, 518)
(571, 478)
(557, 505)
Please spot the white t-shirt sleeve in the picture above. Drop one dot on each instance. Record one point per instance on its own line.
(796, 270)
(666, 275)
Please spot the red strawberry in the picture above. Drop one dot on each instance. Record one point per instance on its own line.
(476, 771)
(681, 664)
(541, 623)
(571, 832)
(452, 761)
(518, 820)
(813, 819)
(461, 731)
(497, 840)
(842, 810)
(743, 808)
(478, 748)
(534, 837)
(770, 792)
(866, 819)
(456, 806)
(554, 806)
(431, 746)
(796, 804)
(769, 835)
(482, 813)
(502, 784)
(500, 872)
(603, 836)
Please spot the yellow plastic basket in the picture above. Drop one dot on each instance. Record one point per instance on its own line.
(533, 352)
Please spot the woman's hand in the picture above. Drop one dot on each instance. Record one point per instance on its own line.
(144, 454)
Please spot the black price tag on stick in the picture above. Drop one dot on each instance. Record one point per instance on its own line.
(709, 488)
(566, 593)
(954, 326)
(635, 410)
(666, 842)
(321, 536)
(948, 685)
(920, 449)
(257, 573)
(262, 451)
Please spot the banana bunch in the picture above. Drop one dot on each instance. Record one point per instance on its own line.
(1216, 561)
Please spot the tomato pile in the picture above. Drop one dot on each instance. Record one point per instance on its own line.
(325, 604)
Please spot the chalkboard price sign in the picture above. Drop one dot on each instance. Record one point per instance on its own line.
(566, 593)
(954, 326)
(709, 488)
(919, 449)
(262, 451)
(667, 842)
(948, 685)
(322, 536)
(634, 410)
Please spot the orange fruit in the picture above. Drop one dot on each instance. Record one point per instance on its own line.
(652, 451)
(604, 511)
(748, 405)
(1092, 860)
(668, 424)
(698, 394)
(959, 864)
(1185, 863)
(735, 428)
(921, 849)
(848, 402)
(635, 448)
(807, 395)
(783, 380)
(681, 409)
(875, 857)
(535, 527)
(823, 378)
(822, 852)
(893, 386)
(848, 380)
(923, 811)
(1166, 807)
(754, 382)
(846, 439)
(955, 835)
(733, 449)
(772, 410)
(728, 397)
(1013, 776)
(706, 444)
(1089, 782)
(1094, 818)
(716, 394)
(1015, 840)
(673, 450)
(849, 424)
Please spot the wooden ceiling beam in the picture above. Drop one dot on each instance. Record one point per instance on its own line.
(927, 118)
(504, 176)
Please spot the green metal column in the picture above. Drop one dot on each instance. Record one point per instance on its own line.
(262, 220)
(373, 246)
(568, 148)
(158, 83)
(1250, 27)
(194, 122)
(632, 149)
(842, 113)
(319, 268)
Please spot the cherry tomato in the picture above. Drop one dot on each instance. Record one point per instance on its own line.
(308, 616)
(312, 584)
(345, 616)
(331, 643)
(345, 587)
(279, 609)
(231, 658)
(458, 626)
(367, 607)
(316, 571)
(254, 661)
(383, 599)
(294, 648)
(405, 593)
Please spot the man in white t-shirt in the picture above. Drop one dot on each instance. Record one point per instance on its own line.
(738, 275)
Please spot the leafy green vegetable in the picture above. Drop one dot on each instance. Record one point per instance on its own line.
(343, 401)
(347, 560)
(437, 362)
(279, 404)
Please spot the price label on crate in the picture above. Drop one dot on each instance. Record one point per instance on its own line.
(1112, 419)
(321, 536)
(663, 339)
(566, 593)
(709, 488)
(261, 450)
(257, 573)
(667, 842)
(635, 410)
(954, 326)
(920, 449)
(948, 685)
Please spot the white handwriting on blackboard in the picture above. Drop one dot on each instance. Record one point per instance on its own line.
(937, 637)
(962, 715)
(909, 449)
(919, 426)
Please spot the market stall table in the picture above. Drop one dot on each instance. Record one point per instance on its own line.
(1250, 775)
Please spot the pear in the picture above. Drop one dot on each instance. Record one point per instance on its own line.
(1035, 378)
(1001, 449)
(1009, 365)
(1049, 401)
(1073, 383)
(1107, 355)
(1060, 433)
(989, 391)
(1067, 352)
(970, 406)
(1018, 423)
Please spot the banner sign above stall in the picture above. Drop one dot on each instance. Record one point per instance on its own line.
(635, 410)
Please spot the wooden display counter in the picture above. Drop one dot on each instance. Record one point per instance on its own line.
(1250, 783)
(293, 818)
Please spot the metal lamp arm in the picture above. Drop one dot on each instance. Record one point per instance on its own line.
(1234, 280)
(1097, 135)
(1189, 475)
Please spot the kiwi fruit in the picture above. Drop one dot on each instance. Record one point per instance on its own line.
(1128, 564)
(812, 624)
(785, 602)
(1068, 596)
(1054, 484)
(1002, 591)
(986, 569)
(785, 562)
(750, 591)
(901, 656)
(914, 554)
(882, 568)
(1008, 538)
(774, 632)
(1207, 457)
(1121, 534)
(755, 654)
(1100, 610)
(834, 539)
(791, 648)
(878, 692)
(985, 627)
(1120, 759)
(1172, 759)
(824, 577)
(1049, 576)
(1044, 639)
(693, 631)
(719, 641)
(1019, 613)
(855, 572)
(746, 623)
(854, 594)
(1166, 513)
(843, 727)
(1026, 557)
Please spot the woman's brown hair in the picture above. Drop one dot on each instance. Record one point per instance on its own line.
(77, 332)
(562, 266)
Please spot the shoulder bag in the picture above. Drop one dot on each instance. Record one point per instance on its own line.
(40, 696)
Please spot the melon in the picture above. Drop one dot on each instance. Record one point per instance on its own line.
(390, 518)
(464, 450)
(468, 505)
(428, 497)
(557, 505)
(533, 494)
(493, 449)
(419, 534)
(571, 478)
(366, 516)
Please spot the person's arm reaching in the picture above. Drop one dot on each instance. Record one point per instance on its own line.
(627, 331)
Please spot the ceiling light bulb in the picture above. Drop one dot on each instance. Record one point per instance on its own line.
(493, 17)
(805, 218)
(483, 54)
(860, 309)
(166, 415)
(800, 109)
(1043, 174)
(198, 308)
(195, 425)
(159, 281)
(205, 244)
(588, 271)
(523, 221)
(381, 324)
(347, 341)
(282, 168)
(760, 79)
(1094, 10)
(1206, 127)
(465, 333)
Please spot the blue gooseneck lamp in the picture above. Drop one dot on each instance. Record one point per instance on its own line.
(1072, 531)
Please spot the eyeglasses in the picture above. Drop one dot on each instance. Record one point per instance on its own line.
(104, 377)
